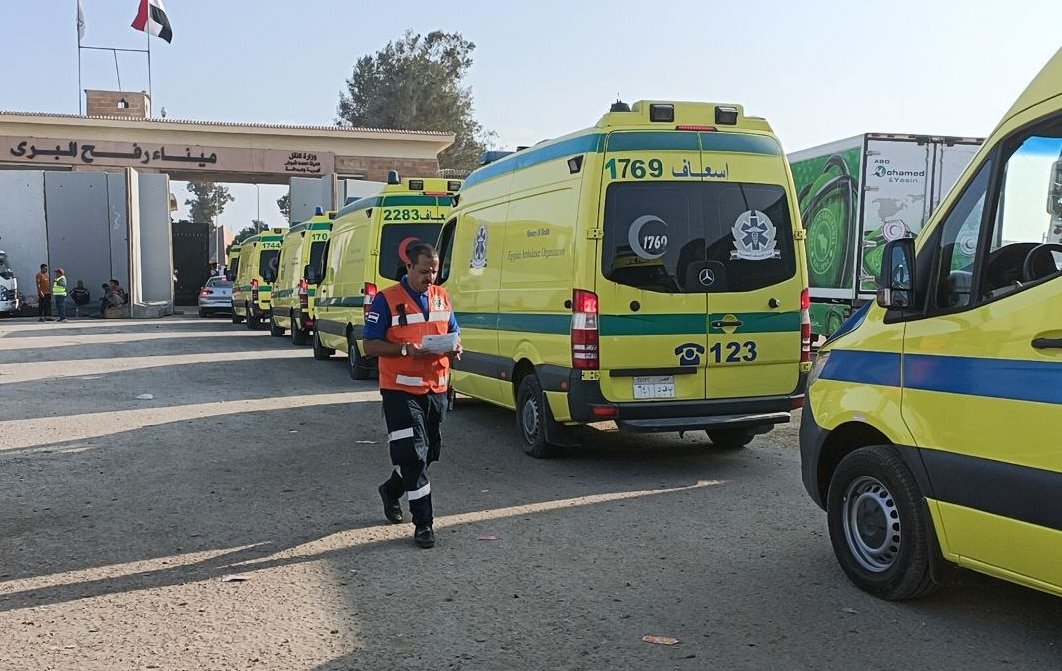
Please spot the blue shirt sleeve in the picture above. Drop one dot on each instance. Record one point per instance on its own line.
(454, 328)
(378, 320)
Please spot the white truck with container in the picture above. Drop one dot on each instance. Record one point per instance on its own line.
(857, 194)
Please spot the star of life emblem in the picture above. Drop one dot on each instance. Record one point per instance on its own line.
(479, 249)
(754, 237)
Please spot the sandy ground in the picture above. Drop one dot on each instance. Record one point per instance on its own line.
(120, 519)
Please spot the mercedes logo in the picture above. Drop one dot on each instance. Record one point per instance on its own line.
(706, 277)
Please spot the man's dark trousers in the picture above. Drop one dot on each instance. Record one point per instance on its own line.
(413, 431)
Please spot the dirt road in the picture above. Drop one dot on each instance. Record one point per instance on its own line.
(121, 516)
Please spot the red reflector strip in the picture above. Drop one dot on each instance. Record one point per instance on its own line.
(604, 411)
(696, 127)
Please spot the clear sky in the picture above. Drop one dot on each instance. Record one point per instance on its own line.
(818, 70)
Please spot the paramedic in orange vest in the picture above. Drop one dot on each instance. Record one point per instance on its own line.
(413, 382)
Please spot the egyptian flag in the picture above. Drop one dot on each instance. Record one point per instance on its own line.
(151, 18)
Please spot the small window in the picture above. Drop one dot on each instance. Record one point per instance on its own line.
(446, 249)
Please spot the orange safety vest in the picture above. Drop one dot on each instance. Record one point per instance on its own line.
(408, 324)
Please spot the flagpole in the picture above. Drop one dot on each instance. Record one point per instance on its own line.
(77, 22)
(150, 96)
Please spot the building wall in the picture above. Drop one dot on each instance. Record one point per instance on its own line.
(23, 230)
(79, 220)
(156, 239)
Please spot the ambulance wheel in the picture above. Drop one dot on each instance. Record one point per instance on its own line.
(531, 416)
(252, 320)
(731, 439)
(356, 362)
(320, 352)
(236, 319)
(299, 336)
(880, 526)
(274, 328)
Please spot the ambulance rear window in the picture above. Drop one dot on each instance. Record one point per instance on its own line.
(268, 264)
(697, 237)
(396, 239)
(317, 250)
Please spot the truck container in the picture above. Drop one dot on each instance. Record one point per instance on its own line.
(857, 194)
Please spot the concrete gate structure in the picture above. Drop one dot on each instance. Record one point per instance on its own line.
(116, 217)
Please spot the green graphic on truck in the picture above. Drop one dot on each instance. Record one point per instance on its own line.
(828, 191)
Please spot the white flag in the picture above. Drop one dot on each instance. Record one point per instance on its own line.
(80, 22)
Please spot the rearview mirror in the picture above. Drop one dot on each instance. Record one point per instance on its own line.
(896, 283)
(312, 274)
(1054, 191)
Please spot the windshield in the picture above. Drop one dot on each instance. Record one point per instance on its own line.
(395, 241)
(682, 237)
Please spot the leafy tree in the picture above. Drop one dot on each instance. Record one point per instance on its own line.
(256, 227)
(416, 83)
(209, 201)
(284, 203)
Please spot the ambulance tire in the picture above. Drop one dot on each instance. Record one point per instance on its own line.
(355, 361)
(730, 439)
(532, 414)
(320, 352)
(299, 336)
(236, 319)
(880, 527)
(274, 328)
(253, 321)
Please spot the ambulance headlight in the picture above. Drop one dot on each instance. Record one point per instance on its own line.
(816, 368)
(663, 113)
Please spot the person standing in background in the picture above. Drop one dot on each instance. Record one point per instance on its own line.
(81, 297)
(44, 294)
(59, 293)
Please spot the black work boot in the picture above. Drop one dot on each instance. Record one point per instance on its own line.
(424, 537)
(392, 506)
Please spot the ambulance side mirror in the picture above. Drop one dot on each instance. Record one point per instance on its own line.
(312, 274)
(897, 282)
(1054, 191)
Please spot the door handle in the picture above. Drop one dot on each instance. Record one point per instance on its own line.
(1047, 343)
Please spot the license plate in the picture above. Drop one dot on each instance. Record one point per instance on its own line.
(654, 386)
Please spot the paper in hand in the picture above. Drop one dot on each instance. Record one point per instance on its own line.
(440, 344)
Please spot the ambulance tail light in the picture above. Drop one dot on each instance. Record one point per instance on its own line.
(254, 291)
(304, 296)
(585, 342)
(370, 294)
(805, 326)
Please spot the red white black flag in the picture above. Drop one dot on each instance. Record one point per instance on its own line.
(151, 18)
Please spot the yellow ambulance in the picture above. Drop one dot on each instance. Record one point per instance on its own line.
(648, 270)
(366, 254)
(256, 270)
(293, 297)
(933, 431)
